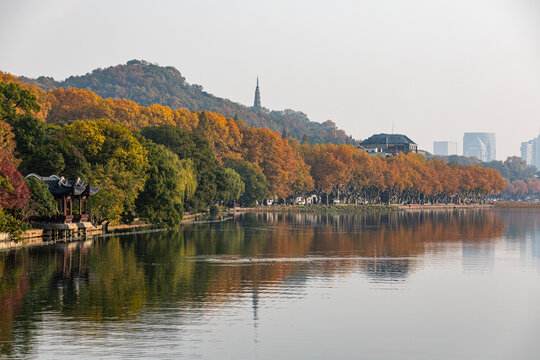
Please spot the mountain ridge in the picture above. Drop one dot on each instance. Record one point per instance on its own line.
(148, 84)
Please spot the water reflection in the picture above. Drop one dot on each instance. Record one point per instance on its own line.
(208, 266)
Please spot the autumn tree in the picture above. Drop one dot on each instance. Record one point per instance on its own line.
(278, 160)
(13, 191)
(330, 166)
(118, 162)
(222, 134)
(7, 142)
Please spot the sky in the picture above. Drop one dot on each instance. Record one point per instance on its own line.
(431, 69)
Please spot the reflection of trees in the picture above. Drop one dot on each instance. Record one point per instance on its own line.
(17, 285)
(519, 224)
(111, 285)
(13, 286)
(390, 241)
(117, 278)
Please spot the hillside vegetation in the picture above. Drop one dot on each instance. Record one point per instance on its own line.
(148, 84)
(155, 163)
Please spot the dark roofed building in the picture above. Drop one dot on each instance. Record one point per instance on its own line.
(64, 192)
(389, 143)
(59, 186)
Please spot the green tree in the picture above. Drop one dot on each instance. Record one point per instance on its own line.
(256, 186)
(29, 134)
(15, 102)
(10, 225)
(234, 186)
(117, 161)
(101, 142)
(115, 201)
(192, 146)
(170, 182)
(46, 160)
(41, 201)
(513, 168)
(17, 107)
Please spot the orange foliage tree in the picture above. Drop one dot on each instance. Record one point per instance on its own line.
(343, 172)
(283, 167)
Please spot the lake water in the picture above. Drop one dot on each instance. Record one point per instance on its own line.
(462, 284)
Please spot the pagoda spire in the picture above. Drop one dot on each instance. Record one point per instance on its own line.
(257, 102)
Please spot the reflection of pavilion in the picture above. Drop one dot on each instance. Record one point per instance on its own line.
(391, 269)
(255, 304)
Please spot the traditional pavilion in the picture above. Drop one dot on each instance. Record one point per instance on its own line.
(65, 192)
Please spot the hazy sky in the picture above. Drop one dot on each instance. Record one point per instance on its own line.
(436, 68)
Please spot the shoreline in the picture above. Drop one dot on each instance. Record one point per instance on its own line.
(37, 237)
(350, 208)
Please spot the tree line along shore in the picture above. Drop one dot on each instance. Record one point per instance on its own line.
(156, 163)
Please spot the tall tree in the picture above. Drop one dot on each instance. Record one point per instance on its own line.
(256, 186)
(170, 182)
(192, 146)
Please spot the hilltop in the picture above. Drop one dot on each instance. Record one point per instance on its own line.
(148, 84)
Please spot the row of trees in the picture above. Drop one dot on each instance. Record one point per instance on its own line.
(521, 179)
(154, 162)
(155, 173)
(352, 175)
(521, 189)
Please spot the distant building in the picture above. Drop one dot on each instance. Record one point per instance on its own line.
(445, 148)
(479, 145)
(257, 101)
(536, 154)
(530, 152)
(389, 143)
(527, 151)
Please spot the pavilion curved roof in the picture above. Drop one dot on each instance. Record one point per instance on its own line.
(59, 186)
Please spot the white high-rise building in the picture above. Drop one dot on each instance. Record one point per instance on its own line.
(530, 152)
(445, 148)
(479, 145)
(527, 151)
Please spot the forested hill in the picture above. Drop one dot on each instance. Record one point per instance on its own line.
(148, 84)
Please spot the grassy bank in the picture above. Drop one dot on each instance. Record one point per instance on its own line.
(323, 209)
(413, 207)
(517, 205)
